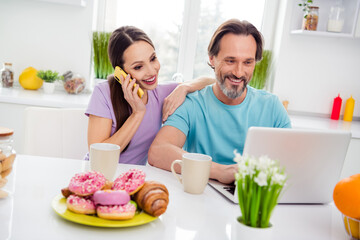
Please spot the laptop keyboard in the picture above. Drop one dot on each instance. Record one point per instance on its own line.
(230, 189)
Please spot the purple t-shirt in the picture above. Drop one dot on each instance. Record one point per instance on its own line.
(137, 151)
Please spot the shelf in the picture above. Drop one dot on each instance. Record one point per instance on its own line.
(81, 3)
(321, 33)
(351, 19)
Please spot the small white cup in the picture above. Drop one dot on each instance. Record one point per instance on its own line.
(195, 172)
(104, 158)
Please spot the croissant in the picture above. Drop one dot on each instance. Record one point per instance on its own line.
(153, 198)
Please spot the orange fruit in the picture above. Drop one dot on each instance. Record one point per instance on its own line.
(352, 227)
(347, 196)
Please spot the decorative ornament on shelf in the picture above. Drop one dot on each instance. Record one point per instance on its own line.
(7, 76)
(311, 15)
(49, 77)
(259, 182)
(28, 79)
(102, 65)
(336, 17)
(74, 83)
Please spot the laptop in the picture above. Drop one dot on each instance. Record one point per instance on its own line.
(313, 160)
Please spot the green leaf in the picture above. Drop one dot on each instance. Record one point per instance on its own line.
(102, 65)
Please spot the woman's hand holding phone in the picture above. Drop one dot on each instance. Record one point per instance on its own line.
(131, 94)
(119, 72)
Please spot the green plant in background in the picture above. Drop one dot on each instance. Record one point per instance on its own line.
(48, 75)
(102, 65)
(261, 71)
(305, 5)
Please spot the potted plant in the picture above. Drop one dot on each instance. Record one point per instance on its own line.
(259, 183)
(102, 65)
(49, 77)
(261, 71)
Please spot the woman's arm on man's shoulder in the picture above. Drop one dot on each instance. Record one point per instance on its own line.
(177, 97)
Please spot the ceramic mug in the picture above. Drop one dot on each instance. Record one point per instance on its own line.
(195, 172)
(104, 158)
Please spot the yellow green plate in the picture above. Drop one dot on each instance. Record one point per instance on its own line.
(59, 206)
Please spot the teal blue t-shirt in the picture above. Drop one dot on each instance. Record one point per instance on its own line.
(216, 129)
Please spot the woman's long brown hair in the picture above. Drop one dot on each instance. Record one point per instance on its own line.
(119, 41)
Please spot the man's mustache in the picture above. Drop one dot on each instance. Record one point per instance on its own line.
(243, 78)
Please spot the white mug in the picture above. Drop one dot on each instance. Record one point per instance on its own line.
(195, 172)
(104, 158)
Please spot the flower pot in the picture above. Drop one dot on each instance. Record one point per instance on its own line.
(49, 87)
(241, 231)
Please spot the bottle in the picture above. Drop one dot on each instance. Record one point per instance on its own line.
(336, 17)
(311, 19)
(7, 75)
(336, 108)
(349, 109)
(7, 154)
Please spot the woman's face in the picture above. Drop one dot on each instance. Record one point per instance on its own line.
(141, 63)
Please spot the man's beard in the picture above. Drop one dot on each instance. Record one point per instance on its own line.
(235, 91)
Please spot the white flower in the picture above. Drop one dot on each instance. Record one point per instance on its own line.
(261, 179)
(237, 157)
(278, 178)
(252, 165)
(265, 163)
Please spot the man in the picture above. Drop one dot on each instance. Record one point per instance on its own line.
(215, 120)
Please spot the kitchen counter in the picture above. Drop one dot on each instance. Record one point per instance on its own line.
(58, 99)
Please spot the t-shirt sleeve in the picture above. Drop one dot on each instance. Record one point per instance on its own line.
(181, 117)
(100, 103)
(282, 119)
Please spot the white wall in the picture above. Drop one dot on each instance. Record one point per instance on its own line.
(311, 71)
(46, 35)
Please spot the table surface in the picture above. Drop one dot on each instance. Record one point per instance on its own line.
(35, 181)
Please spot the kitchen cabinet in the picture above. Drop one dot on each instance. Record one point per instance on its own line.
(351, 28)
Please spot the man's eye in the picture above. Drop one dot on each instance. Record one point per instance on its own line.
(229, 61)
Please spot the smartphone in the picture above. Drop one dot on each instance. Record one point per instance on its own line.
(118, 72)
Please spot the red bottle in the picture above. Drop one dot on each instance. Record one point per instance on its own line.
(336, 108)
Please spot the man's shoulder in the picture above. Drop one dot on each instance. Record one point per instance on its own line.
(200, 94)
(261, 94)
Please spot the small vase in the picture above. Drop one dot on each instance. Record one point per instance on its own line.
(49, 87)
(241, 231)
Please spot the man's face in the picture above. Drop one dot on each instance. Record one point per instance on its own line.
(234, 65)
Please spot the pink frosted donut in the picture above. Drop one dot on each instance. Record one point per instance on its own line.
(130, 181)
(80, 204)
(85, 184)
(111, 197)
(117, 212)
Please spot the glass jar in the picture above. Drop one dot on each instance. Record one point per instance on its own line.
(7, 152)
(7, 75)
(336, 17)
(311, 19)
(73, 83)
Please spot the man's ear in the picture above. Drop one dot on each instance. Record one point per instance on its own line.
(211, 60)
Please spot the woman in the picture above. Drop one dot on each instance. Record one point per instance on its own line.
(117, 114)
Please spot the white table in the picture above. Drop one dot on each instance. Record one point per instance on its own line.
(35, 181)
